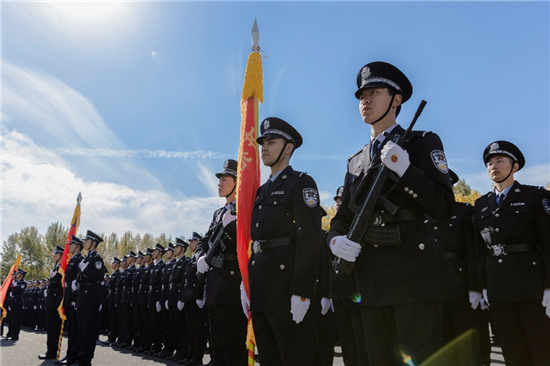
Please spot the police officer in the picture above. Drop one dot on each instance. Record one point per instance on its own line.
(53, 299)
(168, 338)
(223, 277)
(460, 306)
(69, 300)
(111, 302)
(177, 322)
(155, 283)
(135, 301)
(119, 293)
(286, 230)
(89, 297)
(145, 313)
(399, 267)
(127, 300)
(513, 223)
(16, 303)
(347, 310)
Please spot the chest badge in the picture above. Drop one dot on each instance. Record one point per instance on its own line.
(311, 197)
(98, 265)
(440, 161)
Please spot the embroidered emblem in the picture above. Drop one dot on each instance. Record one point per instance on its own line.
(311, 197)
(22, 285)
(394, 158)
(517, 204)
(98, 265)
(517, 190)
(546, 205)
(284, 177)
(440, 161)
(494, 146)
(266, 125)
(277, 192)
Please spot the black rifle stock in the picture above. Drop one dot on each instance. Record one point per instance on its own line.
(213, 257)
(368, 196)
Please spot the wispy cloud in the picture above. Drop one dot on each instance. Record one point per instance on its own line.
(148, 154)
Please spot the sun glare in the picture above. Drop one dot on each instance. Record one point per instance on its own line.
(89, 11)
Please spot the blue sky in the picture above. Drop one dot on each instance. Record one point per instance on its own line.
(137, 104)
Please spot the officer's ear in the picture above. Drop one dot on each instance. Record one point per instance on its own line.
(515, 167)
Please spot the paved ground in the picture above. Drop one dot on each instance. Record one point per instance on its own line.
(25, 351)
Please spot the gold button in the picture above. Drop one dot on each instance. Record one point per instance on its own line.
(500, 261)
(253, 262)
(497, 215)
(460, 269)
(421, 246)
(282, 266)
(406, 189)
(497, 229)
(450, 224)
(435, 227)
(534, 263)
(232, 273)
(411, 192)
(275, 202)
(259, 207)
(257, 224)
(375, 245)
(415, 195)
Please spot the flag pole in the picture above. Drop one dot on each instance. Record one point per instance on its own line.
(248, 179)
(75, 223)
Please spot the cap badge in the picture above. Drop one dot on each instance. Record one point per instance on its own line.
(311, 197)
(440, 161)
(266, 124)
(365, 73)
(495, 146)
(226, 164)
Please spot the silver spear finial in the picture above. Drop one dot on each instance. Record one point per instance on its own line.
(255, 37)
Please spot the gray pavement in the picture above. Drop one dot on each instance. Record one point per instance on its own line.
(25, 351)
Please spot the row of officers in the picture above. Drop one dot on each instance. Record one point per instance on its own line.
(411, 287)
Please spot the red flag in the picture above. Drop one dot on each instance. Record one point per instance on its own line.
(6, 285)
(75, 223)
(249, 164)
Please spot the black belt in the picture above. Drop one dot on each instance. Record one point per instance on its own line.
(404, 214)
(230, 256)
(459, 256)
(504, 249)
(191, 280)
(88, 284)
(261, 245)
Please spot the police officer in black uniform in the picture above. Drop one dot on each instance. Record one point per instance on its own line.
(228, 324)
(145, 313)
(111, 302)
(400, 270)
(89, 298)
(286, 230)
(136, 280)
(155, 307)
(69, 300)
(513, 245)
(53, 299)
(119, 302)
(178, 325)
(167, 337)
(16, 303)
(127, 300)
(460, 306)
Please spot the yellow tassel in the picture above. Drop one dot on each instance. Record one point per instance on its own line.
(253, 81)
(250, 337)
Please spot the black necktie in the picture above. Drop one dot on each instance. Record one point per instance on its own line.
(267, 183)
(374, 148)
(500, 198)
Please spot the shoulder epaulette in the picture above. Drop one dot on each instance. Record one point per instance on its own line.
(421, 133)
(357, 153)
(535, 188)
(298, 173)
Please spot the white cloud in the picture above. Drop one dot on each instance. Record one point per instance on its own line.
(151, 154)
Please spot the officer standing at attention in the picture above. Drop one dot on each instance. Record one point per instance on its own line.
(18, 286)
(144, 311)
(155, 282)
(127, 300)
(168, 349)
(228, 325)
(69, 301)
(53, 299)
(111, 302)
(89, 298)
(513, 245)
(136, 279)
(400, 270)
(287, 235)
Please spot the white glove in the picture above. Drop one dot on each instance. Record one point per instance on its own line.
(228, 218)
(200, 303)
(53, 273)
(202, 266)
(100, 306)
(485, 298)
(181, 304)
(325, 305)
(166, 304)
(72, 303)
(82, 265)
(116, 305)
(45, 293)
(34, 307)
(9, 308)
(73, 285)
(395, 158)
(546, 300)
(158, 306)
(298, 307)
(475, 298)
(41, 306)
(245, 301)
(344, 248)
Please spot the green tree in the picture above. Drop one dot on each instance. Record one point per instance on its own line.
(10, 249)
(34, 253)
(464, 193)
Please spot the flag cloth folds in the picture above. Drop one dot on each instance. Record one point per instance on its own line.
(75, 223)
(6, 285)
(248, 179)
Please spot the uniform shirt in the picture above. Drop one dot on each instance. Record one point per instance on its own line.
(287, 208)
(89, 293)
(414, 269)
(71, 272)
(522, 218)
(155, 283)
(176, 281)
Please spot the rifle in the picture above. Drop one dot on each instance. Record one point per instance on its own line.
(368, 196)
(216, 241)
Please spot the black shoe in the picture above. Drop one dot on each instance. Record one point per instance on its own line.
(107, 342)
(59, 362)
(139, 350)
(46, 357)
(171, 358)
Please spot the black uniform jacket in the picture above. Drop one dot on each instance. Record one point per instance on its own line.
(127, 284)
(144, 284)
(522, 218)
(416, 270)
(456, 237)
(71, 272)
(16, 295)
(55, 290)
(222, 285)
(136, 280)
(166, 272)
(193, 289)
(111, 298)
(90, 292)
(155, 284)
(119, 286)
(177, 280)
(288, 208)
